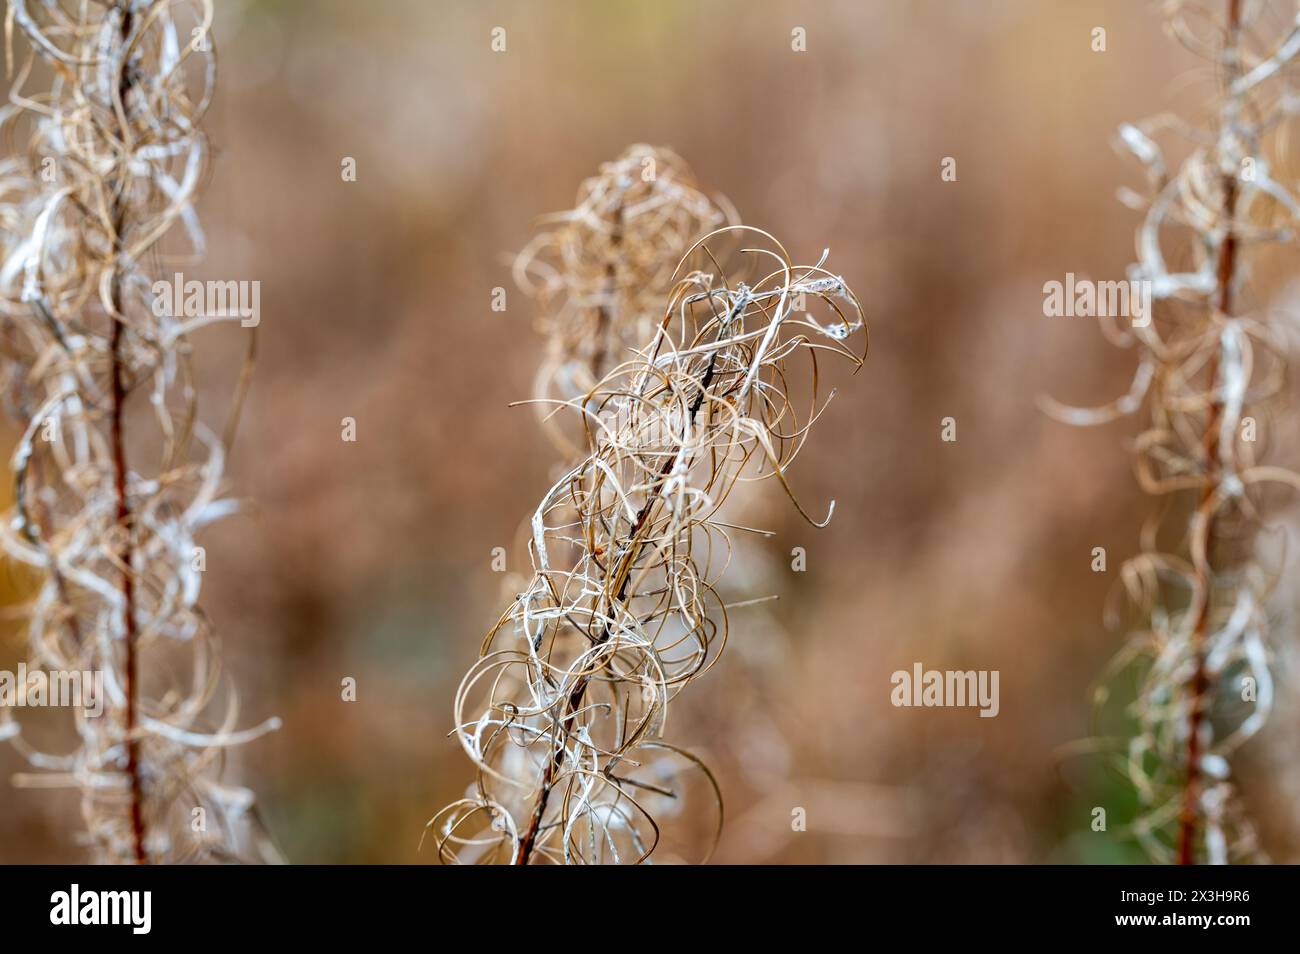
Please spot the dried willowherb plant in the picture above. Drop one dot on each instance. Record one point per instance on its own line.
(650, 198)
(563, 714)
(598, 273)
(1210, 368)
(113, 158)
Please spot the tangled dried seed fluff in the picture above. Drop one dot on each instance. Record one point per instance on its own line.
(563, 714)
(663, 209)
(1209, 363)
(113, 159)
(599, 272)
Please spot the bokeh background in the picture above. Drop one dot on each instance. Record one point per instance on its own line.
(373, 559)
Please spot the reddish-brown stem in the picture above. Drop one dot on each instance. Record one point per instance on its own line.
(130, 682)
(1225, 270)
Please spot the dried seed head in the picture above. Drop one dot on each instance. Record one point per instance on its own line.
(598, 273)
(563, 715)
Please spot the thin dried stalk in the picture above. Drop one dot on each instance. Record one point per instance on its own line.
(563, 714)
(114, 158)
(1209, 362)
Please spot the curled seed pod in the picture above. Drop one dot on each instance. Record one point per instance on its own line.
(1210, 370)
(114, 158)
(598, 273)
(563, 714)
